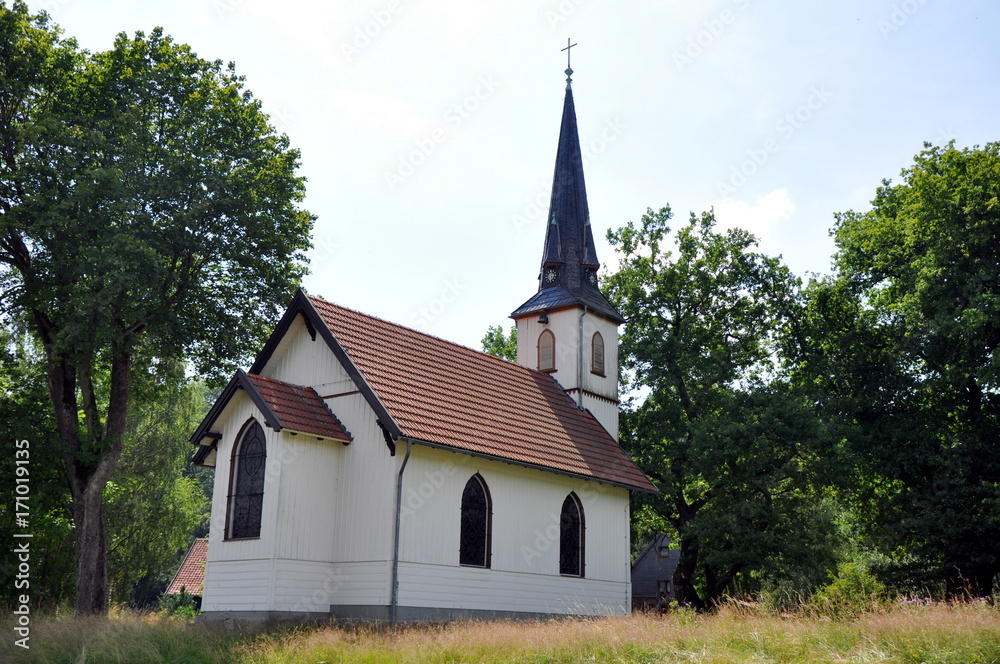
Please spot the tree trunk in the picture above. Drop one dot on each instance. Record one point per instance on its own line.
(684, 575)
(90, 463)
(91, 550)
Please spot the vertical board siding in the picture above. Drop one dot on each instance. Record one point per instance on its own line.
(526, 509)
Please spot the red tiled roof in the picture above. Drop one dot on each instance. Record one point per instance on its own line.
(299, 408)
(191, 574)
(441, 392)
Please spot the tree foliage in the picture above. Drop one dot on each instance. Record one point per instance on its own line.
(499, 344)
(901, 347)
(731, 444)
(146, 203)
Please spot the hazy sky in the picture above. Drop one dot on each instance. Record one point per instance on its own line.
(428, 128)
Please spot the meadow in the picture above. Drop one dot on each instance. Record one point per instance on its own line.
(959, 634)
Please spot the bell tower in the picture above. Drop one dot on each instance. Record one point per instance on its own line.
(568, 328)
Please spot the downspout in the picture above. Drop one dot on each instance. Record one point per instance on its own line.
(394, 601)
(579, 364)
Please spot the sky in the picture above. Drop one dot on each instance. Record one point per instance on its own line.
(428, 128)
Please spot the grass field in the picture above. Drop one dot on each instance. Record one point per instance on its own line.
(939, 634)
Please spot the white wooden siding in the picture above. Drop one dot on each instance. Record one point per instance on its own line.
(525, 534)
(237, 585)
(312, 587)
(445, 587)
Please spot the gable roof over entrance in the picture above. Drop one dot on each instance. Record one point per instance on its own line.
(438, 393)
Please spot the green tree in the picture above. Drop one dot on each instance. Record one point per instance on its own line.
(731, 444)
(146, 202)
(499, 344)
(154, 505)
(903, 343)
(26, 415)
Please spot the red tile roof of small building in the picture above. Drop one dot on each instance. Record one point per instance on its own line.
(444, 393)
(191, 575)
(299, 408)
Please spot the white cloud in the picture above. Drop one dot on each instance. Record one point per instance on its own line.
(760, 217)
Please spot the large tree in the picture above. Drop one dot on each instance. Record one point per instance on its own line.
(727, 439)
(901, 346)
(146, 201)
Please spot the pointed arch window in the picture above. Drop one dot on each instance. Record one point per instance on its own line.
(246, 483)
(547, 351)
(477, 513)
(597, 354)
(571, 530)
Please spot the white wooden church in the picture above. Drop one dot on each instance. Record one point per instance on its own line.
(365, 470)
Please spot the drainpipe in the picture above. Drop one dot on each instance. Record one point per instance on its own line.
(579, 364)
(394, 602)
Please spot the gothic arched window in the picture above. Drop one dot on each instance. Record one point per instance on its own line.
(597, 354)
(474, 544)
(246, 483)
(571, 529)
(547, 351)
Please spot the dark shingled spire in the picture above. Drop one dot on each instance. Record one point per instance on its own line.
(569, 258)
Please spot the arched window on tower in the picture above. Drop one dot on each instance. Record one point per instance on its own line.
(597, 354)
(477, 511)
(571, 529)
(547, 351)
(246, 483)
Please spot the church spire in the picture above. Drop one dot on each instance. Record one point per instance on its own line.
(569, 258)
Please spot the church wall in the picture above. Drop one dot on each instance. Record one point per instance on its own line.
(300, 360)
(238, 573)
(524, 573)
(364, 522)
(361, 476)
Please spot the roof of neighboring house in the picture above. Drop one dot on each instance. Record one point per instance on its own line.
(440, 392)
(191, 575)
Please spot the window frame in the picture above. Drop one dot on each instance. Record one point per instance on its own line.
(595, 367)
(551, 339)
(235, 463)
(487, 559)
(573, 499)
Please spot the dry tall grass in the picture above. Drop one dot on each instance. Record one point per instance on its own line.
(947, 634)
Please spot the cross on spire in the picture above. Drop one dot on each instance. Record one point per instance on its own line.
(569, 70)
(568, 46)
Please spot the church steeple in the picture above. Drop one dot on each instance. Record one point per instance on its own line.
(568, 329)
(569, 266)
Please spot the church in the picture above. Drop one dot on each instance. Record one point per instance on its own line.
(368, 471)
